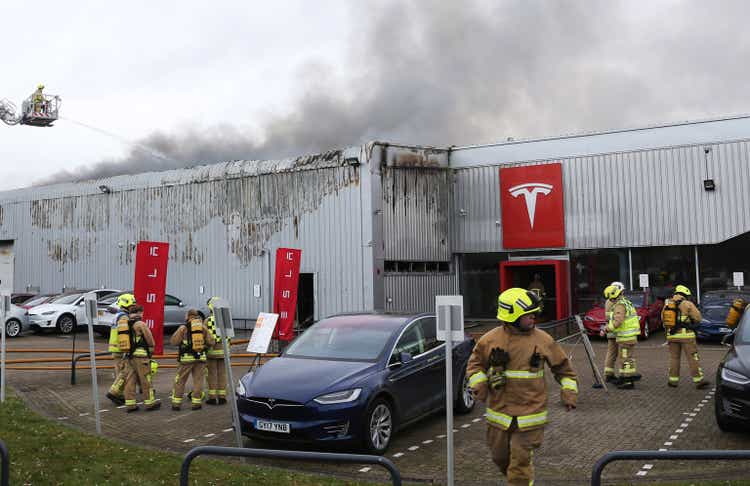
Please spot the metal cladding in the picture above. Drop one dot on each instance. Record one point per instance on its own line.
(416, 292)
(223, 223)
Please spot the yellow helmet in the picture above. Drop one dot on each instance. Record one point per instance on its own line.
(681, 289)
(40, 86)
(125, 300)
(619, 285)
(516, 302)
(612, 292)
(210, 303)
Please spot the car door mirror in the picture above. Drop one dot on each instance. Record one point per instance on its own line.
(405, 357)
(181, 304)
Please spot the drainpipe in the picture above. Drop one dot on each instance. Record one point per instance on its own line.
(630, 267)
(697, 276)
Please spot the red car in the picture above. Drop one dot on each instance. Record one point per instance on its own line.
(646, 305)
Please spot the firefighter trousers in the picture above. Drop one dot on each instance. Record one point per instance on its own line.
(121, 372)
(627, 354)
(690, 350)
(198, 370)
(609, 361)
(138, 374)
(217, 378)
(513, 452)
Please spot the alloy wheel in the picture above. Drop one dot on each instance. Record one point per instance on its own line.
(12, 328)
(381, 426)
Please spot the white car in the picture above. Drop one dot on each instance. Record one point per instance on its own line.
(63, 313)
(16, 321)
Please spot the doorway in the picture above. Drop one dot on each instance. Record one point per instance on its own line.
(548, 278)
(7, 266)
(306, 300)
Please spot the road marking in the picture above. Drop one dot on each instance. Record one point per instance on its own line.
(413, 448)
(122, 406)
(429, 441)
(674, 437)
(83, 414)
(693, 415)
(684, 424)
(365, 469)
(476, 420)
(662, 449)
(398, 454)
(703, 401)
(641, 473)
(105, 410)
(455, 430)
(209, 435)
(62, 418)
(668, 443)
(188, 440)
(440, 436)
(228, 430)
(679, 431)
(689, 419)
(464, 426)
(648, 466)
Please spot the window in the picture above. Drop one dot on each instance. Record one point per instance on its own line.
(392, 266)
(412, 342)
(429, 331)
(171, 300)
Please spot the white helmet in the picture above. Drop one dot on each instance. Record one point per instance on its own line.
(619, 285)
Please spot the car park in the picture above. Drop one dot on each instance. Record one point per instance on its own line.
(17, 321)
(64, 312)
(174, 312)
(714, 308)
(353, 379)
(732, 398)
(38, 299)
(647, 306)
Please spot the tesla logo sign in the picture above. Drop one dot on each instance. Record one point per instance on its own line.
(532, 206)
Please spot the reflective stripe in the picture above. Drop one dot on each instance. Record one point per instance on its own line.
(499, 418)
(608, 370)
(521, 374)
(477, 378)
(681, 334)
(674, 379)
(569, 384)
(526, 421)
(698, 378)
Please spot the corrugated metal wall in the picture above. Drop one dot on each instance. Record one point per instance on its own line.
(416, 292)
(416, 214)
(639, 198)
(223, 224)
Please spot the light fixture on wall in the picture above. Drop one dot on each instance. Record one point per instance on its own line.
(708, 184)
(105, 189)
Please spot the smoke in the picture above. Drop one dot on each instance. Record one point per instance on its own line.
(453, 73)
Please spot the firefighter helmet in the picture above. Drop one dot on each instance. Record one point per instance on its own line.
(612, 292)
(125, 300)
(40, 86)
(619, 285)
(516, 302)
(681, 289)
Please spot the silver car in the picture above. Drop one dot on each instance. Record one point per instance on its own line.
(17, 321)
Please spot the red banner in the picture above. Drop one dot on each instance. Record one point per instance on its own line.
(531, 198)
(285, 291)
(150, 286)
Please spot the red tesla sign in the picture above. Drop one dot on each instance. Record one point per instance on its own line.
(285, 291)
(531, 198)
(151, 259)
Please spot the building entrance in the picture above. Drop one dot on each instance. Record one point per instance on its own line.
(548, 278)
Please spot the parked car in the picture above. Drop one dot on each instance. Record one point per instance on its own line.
(39, 299)
(174, 312)
(646, 305)
(17, 321)
(714, 309)
(732, 398)
(63, 312)
(353, 379)
(21, 297)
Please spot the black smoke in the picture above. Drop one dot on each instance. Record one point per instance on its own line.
(455, 73)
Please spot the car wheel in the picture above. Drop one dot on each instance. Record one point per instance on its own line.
(465, 400)
(646, 331)
(12, 328)
(66, 324)
(721, 418)
(378, 427)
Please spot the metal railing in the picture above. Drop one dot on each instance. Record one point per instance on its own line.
(5, 457)
(596, 473)
(77, 358)
(295, 455)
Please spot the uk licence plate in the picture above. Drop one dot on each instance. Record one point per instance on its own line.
(279, 427)
(724, 329)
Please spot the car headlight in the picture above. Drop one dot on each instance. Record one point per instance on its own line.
(734, 377)
(48, 313)
(339, 397)
(240, 389)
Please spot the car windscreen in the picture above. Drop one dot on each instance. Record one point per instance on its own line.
(355, 343)
(109, 299)
(66, 299)
(635, 299)
(37, 300)
(715, 313)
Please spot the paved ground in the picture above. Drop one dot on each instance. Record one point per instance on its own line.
(650, 417)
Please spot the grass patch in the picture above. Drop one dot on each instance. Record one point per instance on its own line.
(46, 453)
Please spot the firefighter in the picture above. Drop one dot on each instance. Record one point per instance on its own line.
(612, 349)
(192, 338)
(626, 326)
(681, 337)
(40, 104)
(137, 344)
(115, 393)
(506, 370)
(217, 373)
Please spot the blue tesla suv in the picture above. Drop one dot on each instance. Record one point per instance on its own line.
(353, 379)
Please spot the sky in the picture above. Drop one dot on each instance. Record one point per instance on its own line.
(158, 85)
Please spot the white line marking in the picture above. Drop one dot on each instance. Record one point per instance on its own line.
(679, 431)
(703, 401)
(104, 410)
(227, 430)
(413, 448)
(668, 443)
(122, 406)
(398, 454)
(83, 414)
(648, 466)
(429, 441)
(464, 426)
(455, 430)
(663, 449)
(641, 473)
(188, 440)
(441, 436)
(700, 405)
(209, 435)
(476, 420)
(62, 418)
(683, 425)
(693, 415)
(689, 419)
(365, 469)
(674, 437)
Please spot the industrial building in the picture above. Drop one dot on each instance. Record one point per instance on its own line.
(388, 227)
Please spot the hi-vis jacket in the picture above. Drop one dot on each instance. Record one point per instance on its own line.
(215, 351)
(181, 338)
(624, 321)
(524, 395)
(688, 313)
(114, 347)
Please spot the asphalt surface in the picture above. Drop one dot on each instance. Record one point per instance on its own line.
(651, 417)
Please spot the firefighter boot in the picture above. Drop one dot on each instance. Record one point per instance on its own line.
(612, 379)
(702, 384)
(115, 399)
